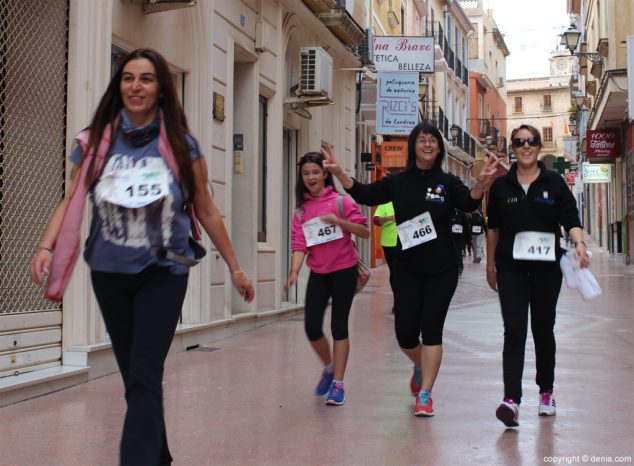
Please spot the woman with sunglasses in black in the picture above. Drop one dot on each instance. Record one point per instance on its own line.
(526, 208)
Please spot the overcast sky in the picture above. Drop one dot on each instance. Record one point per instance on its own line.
(530, 30)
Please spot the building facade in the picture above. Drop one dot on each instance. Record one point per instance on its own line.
(252, 103)
(600, 90)
(445, 102)
(545, 104)
(487, 85)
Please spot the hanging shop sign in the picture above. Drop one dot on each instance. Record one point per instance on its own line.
(401, 53)
(570, 147)
(396, 103)
(603, 144)
(394, 154)
(571, 176)
(596, 172)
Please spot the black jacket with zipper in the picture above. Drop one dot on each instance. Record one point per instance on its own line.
(413, 193)
(548, 205)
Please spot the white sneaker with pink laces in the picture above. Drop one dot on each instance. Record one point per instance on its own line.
(508, 412)
(547, 405)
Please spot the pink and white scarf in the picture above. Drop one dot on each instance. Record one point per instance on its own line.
(67, 243)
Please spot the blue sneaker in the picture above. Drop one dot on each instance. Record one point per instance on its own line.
(336, 396)
(324, 383)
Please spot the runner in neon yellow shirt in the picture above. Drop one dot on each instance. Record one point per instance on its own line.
(384, 217)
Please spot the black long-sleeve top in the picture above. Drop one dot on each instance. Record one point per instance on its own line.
(413, 193)
(547, 205)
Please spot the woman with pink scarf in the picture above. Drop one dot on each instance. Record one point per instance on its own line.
(147, 180)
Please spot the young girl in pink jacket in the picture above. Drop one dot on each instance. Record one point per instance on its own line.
(323, 235)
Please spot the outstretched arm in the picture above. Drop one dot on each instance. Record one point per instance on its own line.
(331, 164)
(355, 228)
(486, 177)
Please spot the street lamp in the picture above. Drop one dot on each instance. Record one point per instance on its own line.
(422, 87)
(455, 131)
(580, 99)
(570, 39)
(572, 124)
(422, 92)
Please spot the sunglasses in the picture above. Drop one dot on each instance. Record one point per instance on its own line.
(532, 141)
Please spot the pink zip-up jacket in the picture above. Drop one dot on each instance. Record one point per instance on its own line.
(335, 255)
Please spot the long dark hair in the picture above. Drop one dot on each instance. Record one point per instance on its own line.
(173, 115)
(423, 128)
(300, 189)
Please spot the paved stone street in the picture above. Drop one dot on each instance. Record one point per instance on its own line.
(250, 402)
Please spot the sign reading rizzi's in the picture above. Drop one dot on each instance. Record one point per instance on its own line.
(603, 144)
(399, 53)
(397, 103)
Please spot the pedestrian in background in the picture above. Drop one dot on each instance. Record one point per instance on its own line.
(459, 227)
(138, 248)
(477, 229)
(526, 208)
(321, 232)
(384, 217)
(426, 266)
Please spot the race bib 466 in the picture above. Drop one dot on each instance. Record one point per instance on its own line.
(417, 230)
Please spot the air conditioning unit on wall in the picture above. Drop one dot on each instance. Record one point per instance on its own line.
(365, 48)
(315, 72)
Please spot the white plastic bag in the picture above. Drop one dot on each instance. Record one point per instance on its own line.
(577, 278)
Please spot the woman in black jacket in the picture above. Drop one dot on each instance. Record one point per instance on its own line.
(426, 264)
(526, 208)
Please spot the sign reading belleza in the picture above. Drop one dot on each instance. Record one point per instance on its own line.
(403, 53)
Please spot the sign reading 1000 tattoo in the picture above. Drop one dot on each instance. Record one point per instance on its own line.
(397, 103)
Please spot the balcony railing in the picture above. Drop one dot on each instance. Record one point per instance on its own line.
(488, 130)
(449, 55)
(465, 75)
(458, 68)
(443, 123)
(465, 142)
(434, 29)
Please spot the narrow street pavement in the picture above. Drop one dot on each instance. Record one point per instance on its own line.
(248, 400)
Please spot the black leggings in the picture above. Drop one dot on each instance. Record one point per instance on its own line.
(537, 284)
(341, 286)
(390, 255)
(141, 312)
(422, 301)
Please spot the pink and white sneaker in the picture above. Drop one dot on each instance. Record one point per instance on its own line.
(547, 405)
(508, 412)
